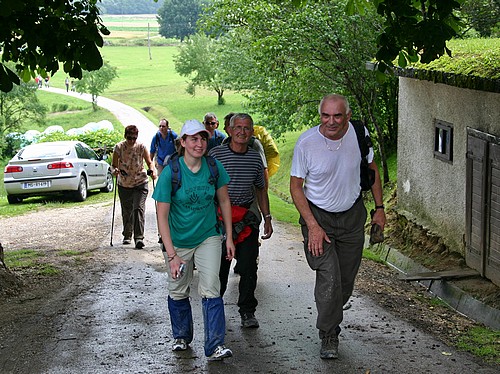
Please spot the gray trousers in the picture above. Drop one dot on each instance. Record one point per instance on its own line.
(337, 267)
(133, 204)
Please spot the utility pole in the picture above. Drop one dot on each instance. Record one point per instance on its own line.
(149, 45)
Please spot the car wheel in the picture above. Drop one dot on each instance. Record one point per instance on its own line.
(81, 193)
(109, 183)
(14, 199)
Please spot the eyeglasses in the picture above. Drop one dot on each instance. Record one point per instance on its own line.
(241, 128)
(131, 137)
(211, 123)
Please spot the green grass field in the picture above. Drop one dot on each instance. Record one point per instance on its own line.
(153, 86)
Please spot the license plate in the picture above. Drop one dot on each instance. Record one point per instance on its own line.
(29, 185)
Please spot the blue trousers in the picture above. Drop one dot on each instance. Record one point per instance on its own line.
(214, 320)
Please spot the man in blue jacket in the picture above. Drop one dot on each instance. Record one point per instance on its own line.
(162, 144)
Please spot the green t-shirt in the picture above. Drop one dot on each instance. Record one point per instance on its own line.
(192, 217)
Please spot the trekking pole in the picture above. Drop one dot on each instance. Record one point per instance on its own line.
(113, 219)
(156, 211)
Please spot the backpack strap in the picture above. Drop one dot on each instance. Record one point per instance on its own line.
(214, 170)
(175, 169)
(367, 175)
(364, 141)
(157, 144)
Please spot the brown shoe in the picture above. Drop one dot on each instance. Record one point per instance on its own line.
(329, 348)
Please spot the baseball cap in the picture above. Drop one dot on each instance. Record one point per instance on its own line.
(192, 127)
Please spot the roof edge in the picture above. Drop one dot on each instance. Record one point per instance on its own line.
(471, 82)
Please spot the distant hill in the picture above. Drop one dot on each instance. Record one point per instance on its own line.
(130, 6)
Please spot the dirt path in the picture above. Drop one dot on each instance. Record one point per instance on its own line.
(108, 313)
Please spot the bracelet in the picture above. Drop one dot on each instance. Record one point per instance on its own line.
(268, 216)
(379, 207)
(170, 258)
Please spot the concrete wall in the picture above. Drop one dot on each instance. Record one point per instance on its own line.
(431, 191)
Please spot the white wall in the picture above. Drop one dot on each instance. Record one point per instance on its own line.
(429, 190)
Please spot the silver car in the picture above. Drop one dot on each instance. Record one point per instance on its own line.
(65, 166)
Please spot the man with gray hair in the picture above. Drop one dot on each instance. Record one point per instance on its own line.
(246, 171)
(325, 187)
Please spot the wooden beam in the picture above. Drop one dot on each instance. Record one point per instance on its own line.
(440, 275)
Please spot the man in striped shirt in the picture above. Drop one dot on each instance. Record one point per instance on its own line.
(247, 190)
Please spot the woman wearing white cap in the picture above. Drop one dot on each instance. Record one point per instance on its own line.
(190, 232)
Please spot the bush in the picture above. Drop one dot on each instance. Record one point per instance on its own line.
(59, 107)
(102, 141)
(10, 145)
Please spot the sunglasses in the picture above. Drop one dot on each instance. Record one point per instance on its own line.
(131, 137)
(211, 123)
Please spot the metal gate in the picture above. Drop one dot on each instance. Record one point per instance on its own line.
(482, 233)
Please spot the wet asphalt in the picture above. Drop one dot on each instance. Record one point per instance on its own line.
(121, 323)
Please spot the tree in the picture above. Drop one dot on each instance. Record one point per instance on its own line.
(482, 15)
(177, 18)
(198, 59)
(411, 29)
(95, 82)
(288, 58)
(130, 6)
(38, 34)
(16, 107)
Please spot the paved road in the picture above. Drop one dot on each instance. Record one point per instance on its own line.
(120, 324)
(124, 113)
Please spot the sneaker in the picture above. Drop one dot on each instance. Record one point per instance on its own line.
(220, 353)
(127, 241)
(179, 345)
(329, 347)
(248, 320)
(139, 244)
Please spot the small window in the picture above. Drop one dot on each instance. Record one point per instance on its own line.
(443, 141)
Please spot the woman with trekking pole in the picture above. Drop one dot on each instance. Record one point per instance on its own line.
(188, 224)
(132, 181)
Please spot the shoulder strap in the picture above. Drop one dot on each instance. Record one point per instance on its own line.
(175, 168)
(214, 171)
(364, 140)
(367, 175)
(157, 142)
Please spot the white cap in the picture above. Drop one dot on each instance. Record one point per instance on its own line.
(192, 127)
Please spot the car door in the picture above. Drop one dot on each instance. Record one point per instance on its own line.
(91, 164)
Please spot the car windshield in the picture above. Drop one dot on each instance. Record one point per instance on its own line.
(44, 151)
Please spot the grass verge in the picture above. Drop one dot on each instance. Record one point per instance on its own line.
(482, 342)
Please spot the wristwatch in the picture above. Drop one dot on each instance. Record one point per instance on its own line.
(268, 216)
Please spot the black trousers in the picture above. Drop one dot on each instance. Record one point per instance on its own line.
(247, 253)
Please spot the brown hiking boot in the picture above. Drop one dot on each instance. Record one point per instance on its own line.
(329, 348)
